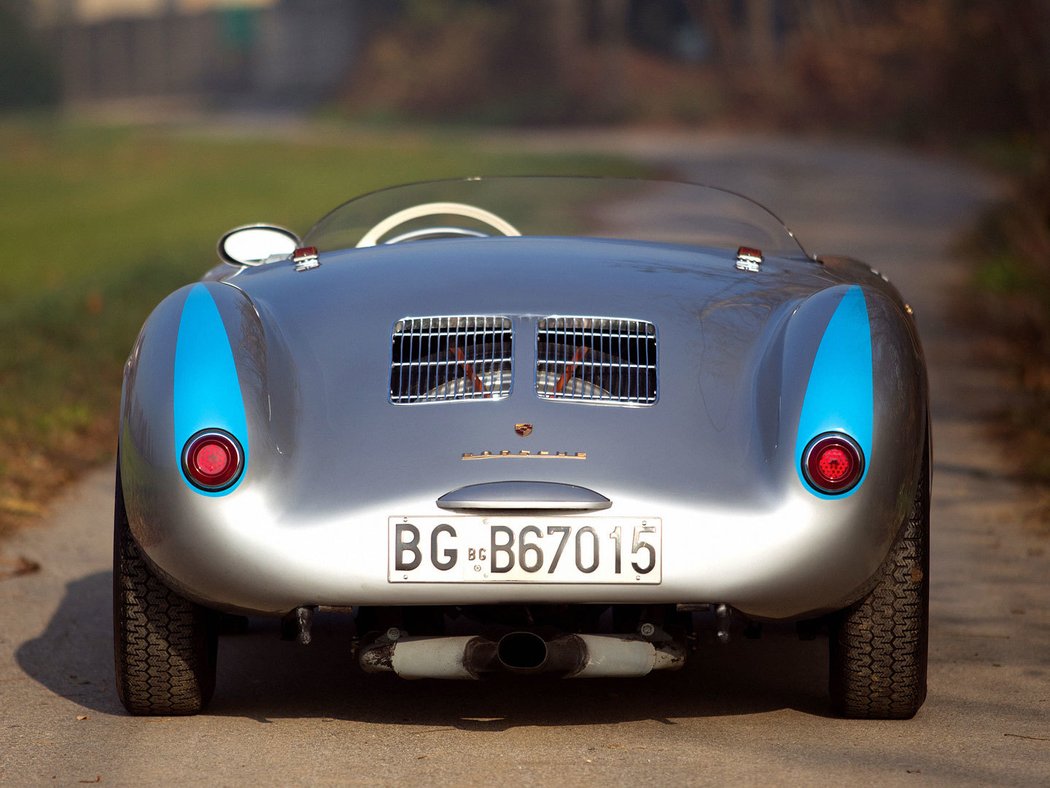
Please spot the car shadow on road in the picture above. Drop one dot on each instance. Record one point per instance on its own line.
(264, 678)
(73, 656)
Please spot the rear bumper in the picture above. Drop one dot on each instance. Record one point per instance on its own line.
(802, 556)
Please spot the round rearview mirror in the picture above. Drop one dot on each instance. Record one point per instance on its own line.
(257, 244)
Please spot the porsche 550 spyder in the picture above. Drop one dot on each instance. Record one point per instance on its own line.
(564, 426)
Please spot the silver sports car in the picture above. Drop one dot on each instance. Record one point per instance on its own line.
(536, 425)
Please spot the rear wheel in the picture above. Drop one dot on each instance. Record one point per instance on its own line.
(878, 647)
(164, 645)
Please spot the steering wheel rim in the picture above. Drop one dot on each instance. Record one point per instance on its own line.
(371, 237)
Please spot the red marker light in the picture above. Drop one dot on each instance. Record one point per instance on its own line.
(749, 259)
(833, 463)
(212, 460)
(305, 258)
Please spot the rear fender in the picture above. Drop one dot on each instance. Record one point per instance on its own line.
(162, 406)
(886, 412)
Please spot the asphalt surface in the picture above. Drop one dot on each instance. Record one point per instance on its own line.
(750, 712)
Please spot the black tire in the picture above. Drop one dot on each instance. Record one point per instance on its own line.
(164, 645)
(878, 647)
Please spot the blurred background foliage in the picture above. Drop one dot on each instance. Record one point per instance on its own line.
(28, 72)
(99, 222)
(917, 69)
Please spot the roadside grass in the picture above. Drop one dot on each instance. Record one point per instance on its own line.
(97, 224)
(1010, 287)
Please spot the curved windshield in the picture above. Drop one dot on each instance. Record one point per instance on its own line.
(661, 211)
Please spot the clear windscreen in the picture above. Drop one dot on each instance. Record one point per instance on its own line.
(643, 210)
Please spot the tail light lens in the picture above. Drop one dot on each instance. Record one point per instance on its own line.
(212, 460)
(833, 463)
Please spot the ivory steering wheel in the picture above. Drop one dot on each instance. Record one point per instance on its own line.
(371, 238)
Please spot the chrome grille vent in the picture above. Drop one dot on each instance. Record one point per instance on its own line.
(437, 359)
(596, 359)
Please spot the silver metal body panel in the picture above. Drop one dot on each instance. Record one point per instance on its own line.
(331, 459)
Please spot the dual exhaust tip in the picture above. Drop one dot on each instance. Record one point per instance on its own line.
(567, 656)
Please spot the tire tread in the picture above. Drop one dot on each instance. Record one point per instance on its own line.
(164, 644)
(879, 646)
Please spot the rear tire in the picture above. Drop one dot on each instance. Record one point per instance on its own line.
(164, 645)
(878, 647)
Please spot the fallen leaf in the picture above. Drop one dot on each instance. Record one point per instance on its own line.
(19, 506)
(17, 567)
(94, 303)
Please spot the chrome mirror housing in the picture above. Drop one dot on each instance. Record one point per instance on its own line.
(257, 244)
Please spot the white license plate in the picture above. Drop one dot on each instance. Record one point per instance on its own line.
(621, 550)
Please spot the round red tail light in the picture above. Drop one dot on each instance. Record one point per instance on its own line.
(212, 460)
(833, 463)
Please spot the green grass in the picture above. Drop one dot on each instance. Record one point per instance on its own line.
(98, 224)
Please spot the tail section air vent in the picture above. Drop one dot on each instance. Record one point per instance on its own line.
(603, 360)
(438, 359)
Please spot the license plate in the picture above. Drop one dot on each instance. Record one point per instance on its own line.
(621, 550)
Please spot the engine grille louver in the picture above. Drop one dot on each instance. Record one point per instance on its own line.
(437, 359)
(608, 361)
(600, 360)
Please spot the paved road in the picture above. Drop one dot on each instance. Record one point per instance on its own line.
(749, 712)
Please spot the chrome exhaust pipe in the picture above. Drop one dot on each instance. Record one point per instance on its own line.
(570, 656)
(612, 656)
(526, 652)
(522, 652)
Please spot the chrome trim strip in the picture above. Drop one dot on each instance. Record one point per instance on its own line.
(506, 454)
(524, 495)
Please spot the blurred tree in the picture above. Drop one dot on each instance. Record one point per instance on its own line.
(610, 87)
(1025, 28)
(715, 17)
(761, 34)
(530, 61)
(916, 69)
(28, 76)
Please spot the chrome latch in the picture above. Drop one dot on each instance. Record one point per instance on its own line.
(748, 259)
(305, 258)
